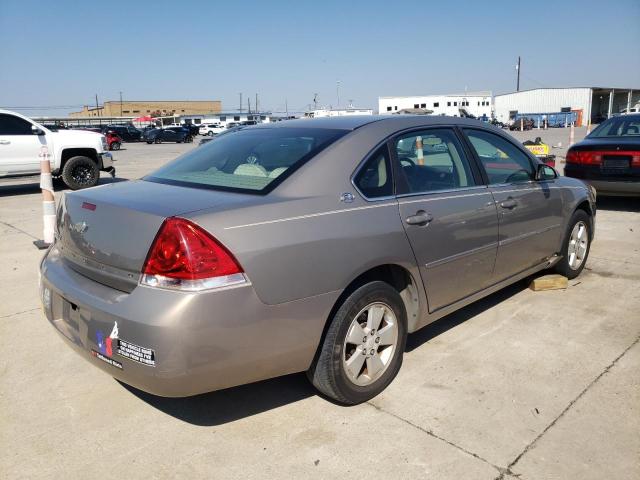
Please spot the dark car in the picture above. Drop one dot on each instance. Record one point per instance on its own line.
(522, 123)
(193, 129)
(128, 133)
(609, 157)
(173, 134)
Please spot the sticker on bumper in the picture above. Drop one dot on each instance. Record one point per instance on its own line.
(136, 353)
(108, 360)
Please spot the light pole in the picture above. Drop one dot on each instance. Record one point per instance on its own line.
(338, 92)
(120, 103)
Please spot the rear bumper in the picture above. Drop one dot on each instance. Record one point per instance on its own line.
(624, 183)
(191, 342)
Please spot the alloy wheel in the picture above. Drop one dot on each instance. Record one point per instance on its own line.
(370, 344)
(578, 244)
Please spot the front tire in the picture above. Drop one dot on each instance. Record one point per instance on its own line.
(576, 245)
(211, 134)
(362, 350)
(80, 172)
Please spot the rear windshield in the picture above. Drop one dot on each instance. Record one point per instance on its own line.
(249, 160)
(623, 126)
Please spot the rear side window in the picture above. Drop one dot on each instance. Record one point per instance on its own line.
(249, 160)
(10, 125)
(374, 178)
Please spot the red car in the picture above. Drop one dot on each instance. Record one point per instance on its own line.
(113, 139)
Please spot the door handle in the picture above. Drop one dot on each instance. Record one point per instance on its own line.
(420, 218)
(509, 203)
(4, 142)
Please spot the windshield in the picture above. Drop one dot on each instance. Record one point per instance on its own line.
(623, 126)
(249, 160)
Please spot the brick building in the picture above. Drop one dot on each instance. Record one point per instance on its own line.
(162, 108)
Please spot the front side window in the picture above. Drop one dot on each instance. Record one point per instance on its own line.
(432, 160)
(374, 178)
(501, 159)
(10, 125)
(247, 160)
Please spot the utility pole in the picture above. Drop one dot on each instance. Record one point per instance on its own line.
(120, 103)
(518, 81)
(240, 102)
(248, 104)
(338, 92)
(286, 108)
(256, 105)
(97, 108)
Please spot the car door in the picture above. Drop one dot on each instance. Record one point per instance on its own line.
(448, 214)
(133, 134)
(529, 211)
(19, 146)
(168, 135)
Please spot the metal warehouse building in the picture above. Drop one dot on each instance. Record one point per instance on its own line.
(589, 103)
(474, 103)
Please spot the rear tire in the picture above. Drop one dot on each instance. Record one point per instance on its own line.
(363, 347)
(115, 146)
(210, 133)
(576, 245)
(80, 172)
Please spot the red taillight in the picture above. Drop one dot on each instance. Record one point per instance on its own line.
(594, 157)
(583, 157)
(183, 252)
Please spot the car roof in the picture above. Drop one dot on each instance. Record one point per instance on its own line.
(356, 121)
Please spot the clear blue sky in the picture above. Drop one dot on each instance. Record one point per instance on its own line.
(56, 53)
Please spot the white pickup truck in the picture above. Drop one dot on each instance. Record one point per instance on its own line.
(77, 156)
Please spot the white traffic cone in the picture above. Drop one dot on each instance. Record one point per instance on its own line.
(48, 200)
(572, 135)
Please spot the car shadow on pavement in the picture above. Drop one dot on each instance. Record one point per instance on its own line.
(454, 319)
(618, 204)
(224, 406)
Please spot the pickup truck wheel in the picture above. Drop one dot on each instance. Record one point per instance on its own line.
(363, 347)
(80, 172)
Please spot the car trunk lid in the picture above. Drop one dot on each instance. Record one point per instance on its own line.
(105, 233)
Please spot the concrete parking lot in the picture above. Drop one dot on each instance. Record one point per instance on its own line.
(522, 384)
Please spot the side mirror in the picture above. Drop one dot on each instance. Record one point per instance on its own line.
(545, 172)
(36, 131)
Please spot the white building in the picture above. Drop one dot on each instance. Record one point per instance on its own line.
(226, 117)
(337, 112)
(595, 103)
(474, 103)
